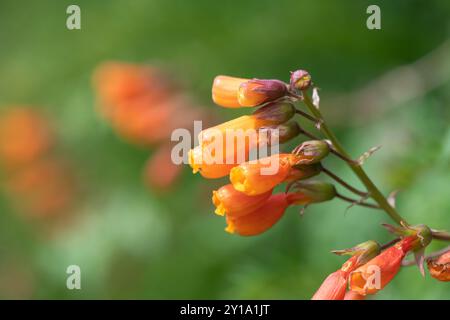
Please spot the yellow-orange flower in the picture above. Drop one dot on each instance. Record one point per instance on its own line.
(229, 144)
(259, 176)
(440, 267)
(259, 220)
(201, 162)
(234, 203)
(225, 91)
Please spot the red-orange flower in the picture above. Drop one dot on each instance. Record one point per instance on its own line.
(335, 285)
(259, 220)
(378, 272)
(233, 203)
(440, 267)
(225, 91)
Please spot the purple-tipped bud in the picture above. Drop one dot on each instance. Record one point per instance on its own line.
(312, 151)
(256, 92)
(284, 132)
(275, 112)
(300, 80)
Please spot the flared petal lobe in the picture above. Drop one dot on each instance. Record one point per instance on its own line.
(260, 176)
(233, 203)
(207, 168)
(261, 219)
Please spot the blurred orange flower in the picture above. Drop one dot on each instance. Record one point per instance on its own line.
(160, 172)
(440, 267)
(25, 136)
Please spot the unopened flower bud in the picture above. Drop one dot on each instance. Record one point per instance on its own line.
(312, 151)
(302, 172)
(275, 113)
(307, 192)
(440, 267)
(281, 133)
(365, 251)
(300, 80)
(256, 92)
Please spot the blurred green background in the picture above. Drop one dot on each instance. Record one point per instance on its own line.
(134, 243)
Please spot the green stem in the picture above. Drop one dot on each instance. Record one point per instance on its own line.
(374, 193)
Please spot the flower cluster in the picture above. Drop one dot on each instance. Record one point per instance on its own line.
(251, 204)
(136, 100)
(369, 270)
(36, 177)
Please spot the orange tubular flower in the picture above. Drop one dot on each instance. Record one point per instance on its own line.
(207, 168)
(256, 92)
(388, 263)
(225, 91)
(234, 203)
(226, 145)
(334, 286)
(269, 115)
(440, 267)
(261, 219)
(259, 176)
(378, 272)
